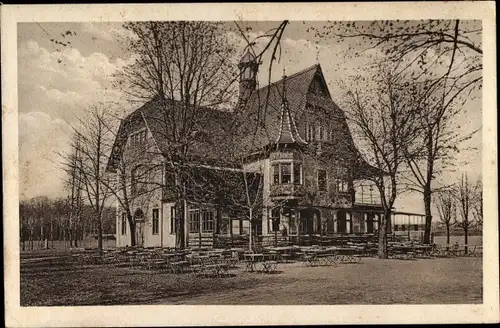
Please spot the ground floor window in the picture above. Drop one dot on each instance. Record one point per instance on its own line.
(156, 219)
(172, 220)
(124, 223)
(275, 219)
(194, 221)
(207, 221)
(201, 220)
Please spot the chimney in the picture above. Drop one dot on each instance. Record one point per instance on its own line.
(248, 76)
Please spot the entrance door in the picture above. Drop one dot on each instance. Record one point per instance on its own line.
(139, 227)
(341, 221)
(369, 223)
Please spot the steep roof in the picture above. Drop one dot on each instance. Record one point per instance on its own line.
(264, 120)
(211, 127)
(262, 112)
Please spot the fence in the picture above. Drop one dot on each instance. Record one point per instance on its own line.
(224, 241)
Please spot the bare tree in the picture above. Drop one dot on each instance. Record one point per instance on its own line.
(91, 143)
(446, 205)
(444, 57)
(183, 66)
(477, 204)
(74, 183)
(383, 121)
(465, 196)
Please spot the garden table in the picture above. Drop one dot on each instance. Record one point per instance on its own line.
(251, 260)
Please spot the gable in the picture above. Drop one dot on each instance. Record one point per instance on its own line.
(318, 87)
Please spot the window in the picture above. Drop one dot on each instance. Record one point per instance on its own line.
(194, 221)
(297, 173)
(310, 132)
(286, 173)
(201, 221)
(342, 186)
(396, 227)
(275, 218)
(124, 223)
(172, 220)
(138, 138)
(276, 174)
(321, 180)
(207, 222)
(235, 227)
(403, 227)
(245, 227)
(140, 176)
(415, 227)
(156, 218)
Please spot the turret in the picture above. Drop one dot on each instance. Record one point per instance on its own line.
(248, 76)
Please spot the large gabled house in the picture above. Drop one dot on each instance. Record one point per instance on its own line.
(290, 139)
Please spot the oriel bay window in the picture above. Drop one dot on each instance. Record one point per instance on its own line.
(287, 173)
(201, 221)
(297, 173)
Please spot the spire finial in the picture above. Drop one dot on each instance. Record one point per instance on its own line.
(284, 85)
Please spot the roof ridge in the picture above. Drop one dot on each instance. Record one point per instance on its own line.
(305, 70)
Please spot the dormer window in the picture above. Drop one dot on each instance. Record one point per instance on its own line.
(138, 138)
(318, 132)
(287, 173)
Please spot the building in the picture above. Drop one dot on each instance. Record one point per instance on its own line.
(407, 225)
(289, 138)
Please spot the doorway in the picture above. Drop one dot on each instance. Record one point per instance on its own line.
(139, 227)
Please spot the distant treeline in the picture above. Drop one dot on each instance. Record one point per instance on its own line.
(41, 218)
(440, 230)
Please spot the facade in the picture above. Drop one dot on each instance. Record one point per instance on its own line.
(308, 178)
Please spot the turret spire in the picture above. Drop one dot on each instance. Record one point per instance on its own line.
(288, 131)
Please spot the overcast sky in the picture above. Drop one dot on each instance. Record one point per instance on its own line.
(56, 83)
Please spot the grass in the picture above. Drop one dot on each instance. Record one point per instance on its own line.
(57, 281)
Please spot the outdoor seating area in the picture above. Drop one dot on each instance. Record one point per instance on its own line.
(210, 262)
(412, 250)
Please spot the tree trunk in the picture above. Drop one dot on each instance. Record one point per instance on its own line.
(99, 235)
(428, 214)
(250, 246)
(448, 234)
(76, 237)
(179, 225)
(466, 239)
(382, 235)
(131, 222)
(31, 238)
(51, 234)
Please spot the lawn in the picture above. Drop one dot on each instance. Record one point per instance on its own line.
(58, 281)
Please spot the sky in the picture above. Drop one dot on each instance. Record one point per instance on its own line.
(57, 83)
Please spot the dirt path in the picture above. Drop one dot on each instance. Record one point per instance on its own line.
(373, 282)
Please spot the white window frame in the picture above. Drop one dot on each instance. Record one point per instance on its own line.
(278, 165)
(124, 224)
(155, 220)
